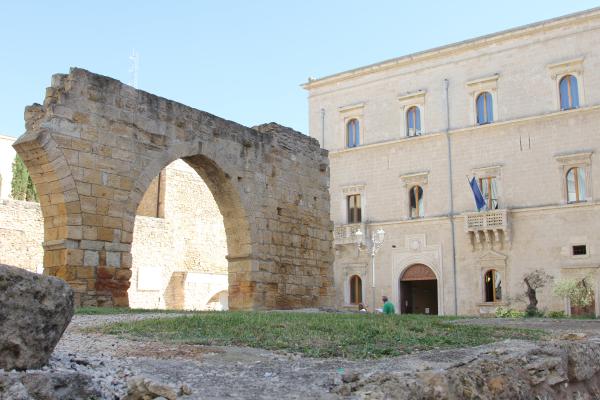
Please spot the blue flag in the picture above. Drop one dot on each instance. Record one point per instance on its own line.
(479, 200)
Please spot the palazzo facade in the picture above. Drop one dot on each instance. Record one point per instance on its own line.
(517, 111)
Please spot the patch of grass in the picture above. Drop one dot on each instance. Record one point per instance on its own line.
(354, 336)
(121, 310)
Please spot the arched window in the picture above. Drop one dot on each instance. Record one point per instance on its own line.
(575, 184)
(352, 133)
(569, 93)
(416, 202)
(413, 121)
(485, 113)
(355, 289)
(493, 285)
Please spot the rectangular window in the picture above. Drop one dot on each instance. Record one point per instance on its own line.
(580, 250)
(353, 209)
(489, 192)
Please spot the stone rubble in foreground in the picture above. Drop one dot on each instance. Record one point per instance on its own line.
(511, 369)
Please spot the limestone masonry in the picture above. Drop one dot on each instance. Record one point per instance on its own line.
(95, 146)
(519, 111)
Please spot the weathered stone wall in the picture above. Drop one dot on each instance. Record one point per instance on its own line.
(21, 235)
(180, 258)
(94, 148)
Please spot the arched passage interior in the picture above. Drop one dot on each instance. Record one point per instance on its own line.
(179, 244)
(418, 291)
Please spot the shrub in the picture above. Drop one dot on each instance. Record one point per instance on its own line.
(505, 312)
(556, 314)
(580, 292)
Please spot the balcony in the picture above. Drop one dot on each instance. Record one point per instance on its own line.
(344, 234)
(488, 227)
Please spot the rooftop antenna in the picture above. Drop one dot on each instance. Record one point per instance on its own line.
(135, 67)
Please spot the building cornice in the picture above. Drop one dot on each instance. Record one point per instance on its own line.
(459, 47)
(469, 129)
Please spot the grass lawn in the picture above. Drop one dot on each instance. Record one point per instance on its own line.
(354, 336)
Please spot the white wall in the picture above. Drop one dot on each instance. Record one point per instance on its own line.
(7, 155)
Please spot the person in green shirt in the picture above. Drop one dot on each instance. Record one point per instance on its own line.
(388, 307)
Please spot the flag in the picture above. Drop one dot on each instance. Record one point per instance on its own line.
(479, 200)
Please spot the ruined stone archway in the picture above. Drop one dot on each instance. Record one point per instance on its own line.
(95, 145)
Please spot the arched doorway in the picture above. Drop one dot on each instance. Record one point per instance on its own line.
(418, 291)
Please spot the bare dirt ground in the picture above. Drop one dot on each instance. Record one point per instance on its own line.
(216, 372)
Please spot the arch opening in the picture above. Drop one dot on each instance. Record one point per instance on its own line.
(179, 244)
(418, 290)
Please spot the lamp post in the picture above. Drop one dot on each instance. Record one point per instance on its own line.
(377, 238)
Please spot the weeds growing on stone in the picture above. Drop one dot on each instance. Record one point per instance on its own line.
(354, 336)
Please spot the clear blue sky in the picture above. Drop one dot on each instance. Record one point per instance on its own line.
(241, 60)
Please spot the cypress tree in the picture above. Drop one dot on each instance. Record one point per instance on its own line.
(22, 187)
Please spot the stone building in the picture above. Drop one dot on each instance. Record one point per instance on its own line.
(519, 112)
(7, 155)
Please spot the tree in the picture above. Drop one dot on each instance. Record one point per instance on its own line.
(22, 187)
(580, 292)
(533, 281)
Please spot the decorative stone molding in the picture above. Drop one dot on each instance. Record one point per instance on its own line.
(486, 84)
(353, 189)
(573, 66)
(412, 99)
(484, 172)
(351, 107)
(417, 178)
(574, 159)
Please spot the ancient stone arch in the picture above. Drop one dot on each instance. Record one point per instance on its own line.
(94, 147)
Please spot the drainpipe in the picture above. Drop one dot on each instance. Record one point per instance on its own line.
(451, 200)
(322, 128)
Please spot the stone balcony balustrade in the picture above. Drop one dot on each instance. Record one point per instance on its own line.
(488, 227)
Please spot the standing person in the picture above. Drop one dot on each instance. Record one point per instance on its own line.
(388, 307)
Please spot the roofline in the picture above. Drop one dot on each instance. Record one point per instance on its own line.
(8, 137)
(457, 46)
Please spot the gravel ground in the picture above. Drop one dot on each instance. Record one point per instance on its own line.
(215, 372)
(556, 327)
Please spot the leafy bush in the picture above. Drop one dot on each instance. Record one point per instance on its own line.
(556, 314)
(505, 312)
(580, 292)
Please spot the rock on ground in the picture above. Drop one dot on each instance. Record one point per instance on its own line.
(34, 312)
(46, 385)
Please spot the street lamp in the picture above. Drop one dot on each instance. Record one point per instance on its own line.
(377, 238)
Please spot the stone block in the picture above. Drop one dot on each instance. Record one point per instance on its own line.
(91, 258)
